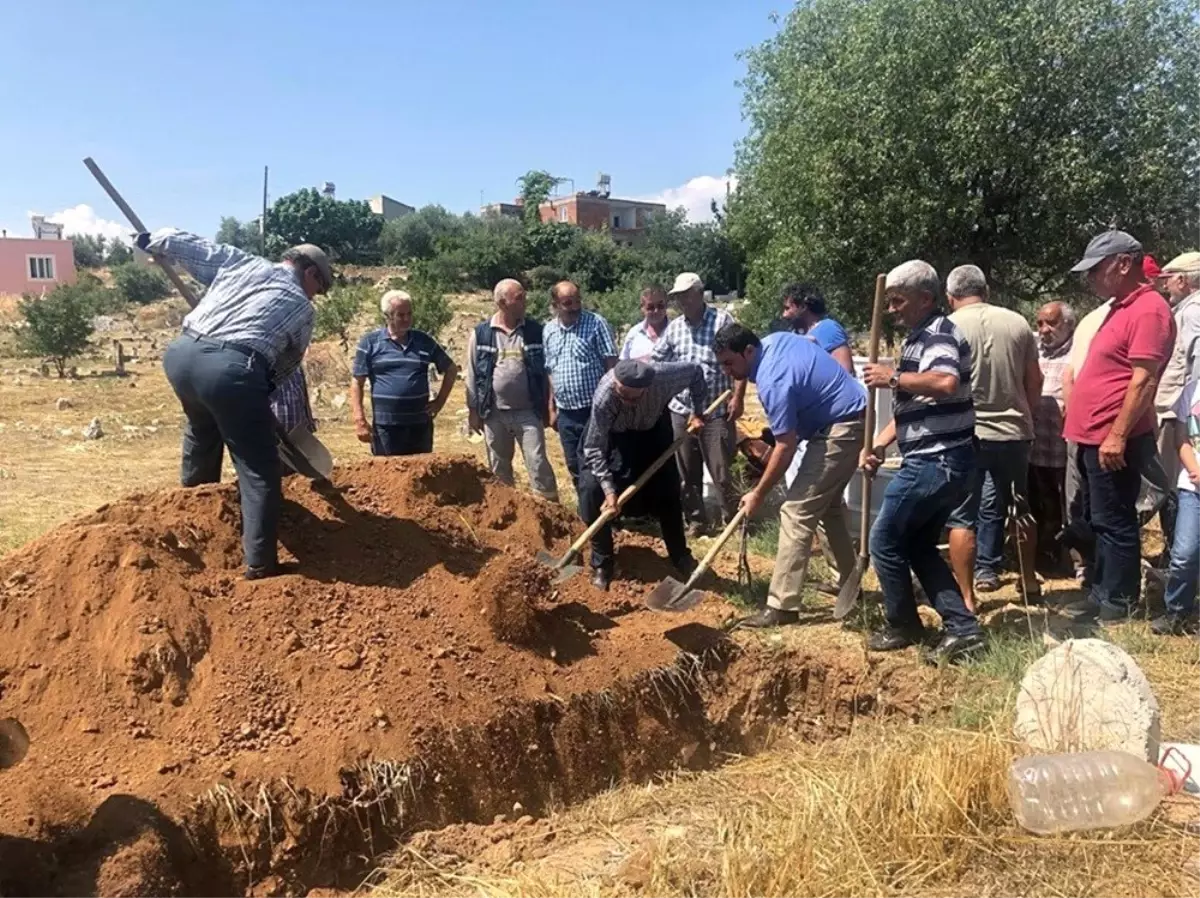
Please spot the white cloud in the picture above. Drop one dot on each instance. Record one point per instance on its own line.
(82, 219)
(696, 196)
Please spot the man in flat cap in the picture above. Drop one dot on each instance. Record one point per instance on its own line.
(248, 334)
(1110, 416)
(630, 428)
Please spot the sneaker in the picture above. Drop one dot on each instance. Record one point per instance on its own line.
(955, 648)
(1175, 624)
(766, 618)
(1110, 615)
(601, 579)
(987, 583)
(891, 639)
(1084, 608)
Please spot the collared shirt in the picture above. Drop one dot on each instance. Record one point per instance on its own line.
(250, 301)
(1187, 327)
(611, 415)
(1049, 449)
(829, 334)
(510, 382)
(640, 342)
(1003, 349)
(925, 425)
(684, 342)
(1138, 328)
(575, 358)
(1187, 412)
(290, 405)
(801, 388)
(399, 374)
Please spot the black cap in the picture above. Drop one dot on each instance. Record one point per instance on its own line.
(1110, 243)
(634, 374)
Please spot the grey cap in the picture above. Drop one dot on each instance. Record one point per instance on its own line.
(1110, 243)
(317, 256)
(634, 374)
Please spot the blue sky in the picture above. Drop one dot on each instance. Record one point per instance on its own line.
(429, 102)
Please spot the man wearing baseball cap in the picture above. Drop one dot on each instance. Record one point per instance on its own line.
(1110, 415)
(249, 332)
(628, 430)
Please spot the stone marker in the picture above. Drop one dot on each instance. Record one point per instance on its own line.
(1084, 695)
(94, 431)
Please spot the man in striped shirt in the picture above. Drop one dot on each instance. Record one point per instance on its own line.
(934, 424)
(249, 333)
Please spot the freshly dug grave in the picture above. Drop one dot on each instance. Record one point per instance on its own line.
(417, 666)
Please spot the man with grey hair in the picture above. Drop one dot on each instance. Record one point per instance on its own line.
(1006, 386)
(248, 333)
(508, 389)
(395, 359)
(934, 425)
(1048, 454)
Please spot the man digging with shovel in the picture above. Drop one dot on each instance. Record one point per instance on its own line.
(630, 429)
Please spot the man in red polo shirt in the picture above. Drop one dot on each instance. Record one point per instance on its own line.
(1110, 415)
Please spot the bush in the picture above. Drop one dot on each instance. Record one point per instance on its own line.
(139, 284)
(622, 307)
(338, 308)
(543, 277)
(88, 250)
(118, 254)
(58, 324)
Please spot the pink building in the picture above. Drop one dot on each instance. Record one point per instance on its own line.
(35, 265)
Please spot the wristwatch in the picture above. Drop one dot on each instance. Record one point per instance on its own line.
(894, 381)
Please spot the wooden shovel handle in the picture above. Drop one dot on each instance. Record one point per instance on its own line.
(169, 270)
(864, 524)
(713, 550)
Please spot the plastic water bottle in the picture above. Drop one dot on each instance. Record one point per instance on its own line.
(1085, 790)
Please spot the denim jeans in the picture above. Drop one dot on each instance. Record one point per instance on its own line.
(906, 533)
(1183, 577)
(572, 423)
(1110, 499)
(402, 439)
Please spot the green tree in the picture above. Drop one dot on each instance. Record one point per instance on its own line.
(999, 132)
(58, 325)
(337, 310)
(431, 311)
(347, 229)
(536, 187)
(140, 284)
(118, 253)
(417, 236)
(244, 235)
(88, 250)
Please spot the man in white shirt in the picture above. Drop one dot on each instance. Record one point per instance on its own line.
(642, 337)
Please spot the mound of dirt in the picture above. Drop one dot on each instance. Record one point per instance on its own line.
(142, 665)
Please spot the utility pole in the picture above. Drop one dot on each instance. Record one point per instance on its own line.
(262, 224)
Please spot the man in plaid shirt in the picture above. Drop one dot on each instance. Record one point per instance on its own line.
(579, 350)
(1048, 456)
(689, 338)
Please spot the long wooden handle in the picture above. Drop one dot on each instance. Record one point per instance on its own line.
(864, 524)
(184, 290)
(712, 552)
(629, 491)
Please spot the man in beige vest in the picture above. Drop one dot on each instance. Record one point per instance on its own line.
(1006, 386)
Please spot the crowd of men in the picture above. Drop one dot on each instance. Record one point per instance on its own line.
(1056, 435)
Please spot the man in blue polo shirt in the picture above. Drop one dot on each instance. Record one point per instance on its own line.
(807, 395)
(804, 309)
(396, 359)
(579, 350)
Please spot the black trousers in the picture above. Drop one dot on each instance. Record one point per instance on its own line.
(401, 439)
(631, 453)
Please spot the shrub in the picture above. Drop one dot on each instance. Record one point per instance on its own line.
(338, 308)
(139, 284)
(58, 324)
(543, 277)
(622, 307)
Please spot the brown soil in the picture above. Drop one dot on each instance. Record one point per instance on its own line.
(418, 666)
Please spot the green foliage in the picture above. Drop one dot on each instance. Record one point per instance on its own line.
(488, 250)
(58, 325)
(543, 277)
(88, 250)
(536, 187)
(118, 253)
(140, 284)
(245, 235)
(101, 300)
(620, 307)
(337, 309)
(999, 132)
(431, 312)
(417, 236)
(347, 229)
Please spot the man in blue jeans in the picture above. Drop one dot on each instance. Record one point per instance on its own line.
(934, 424)
(249, 332)
(1110, 417)
(1183, 575)
(580, 349)
(1006, 386)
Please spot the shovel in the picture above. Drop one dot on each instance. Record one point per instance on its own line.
(14, 742)
(564, 566)
(671, 595)
(299, 450)
(848, 594)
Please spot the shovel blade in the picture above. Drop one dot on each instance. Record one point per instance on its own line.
(672, 596)
(14, 742)
(563, 570)
(850, 591)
